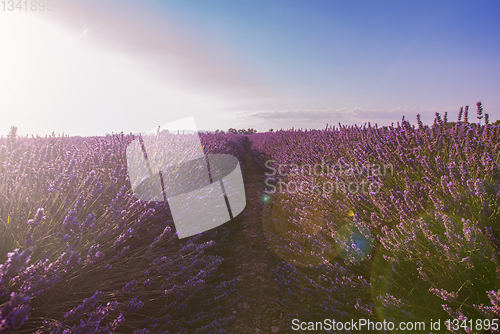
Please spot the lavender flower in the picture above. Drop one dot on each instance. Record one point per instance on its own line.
(14, 313)
(16, 261)
(38, 218)
(444, 295)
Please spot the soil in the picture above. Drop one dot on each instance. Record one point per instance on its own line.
(254, 306)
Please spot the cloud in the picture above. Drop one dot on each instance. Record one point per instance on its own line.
(356, 115)
(298, 114)
(168, 49)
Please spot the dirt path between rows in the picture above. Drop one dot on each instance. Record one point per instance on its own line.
(257, 310)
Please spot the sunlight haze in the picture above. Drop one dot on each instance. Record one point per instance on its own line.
(96, 67)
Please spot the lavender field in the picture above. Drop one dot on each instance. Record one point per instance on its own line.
(417, 242)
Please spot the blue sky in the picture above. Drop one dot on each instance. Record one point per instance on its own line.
(94, 67)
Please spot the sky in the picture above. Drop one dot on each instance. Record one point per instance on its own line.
(92, 67)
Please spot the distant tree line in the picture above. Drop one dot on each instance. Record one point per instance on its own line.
(248, 131)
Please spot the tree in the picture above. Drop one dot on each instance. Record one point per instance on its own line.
(12, 137)
(251, 131)
(248, 131)
(13, 132)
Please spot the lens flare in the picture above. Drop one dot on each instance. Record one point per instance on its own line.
(354, 241)
(296, 229)
(433, 265)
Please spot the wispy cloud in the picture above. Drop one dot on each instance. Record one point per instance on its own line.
(167, 48)
(356, 115)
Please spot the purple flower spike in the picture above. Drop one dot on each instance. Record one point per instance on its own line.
(38, 218)
(14, 313)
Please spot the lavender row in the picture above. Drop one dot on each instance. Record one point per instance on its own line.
(423, 241)
(80, 254)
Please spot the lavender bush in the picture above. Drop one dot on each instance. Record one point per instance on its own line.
(81, 255)
(431, 228)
